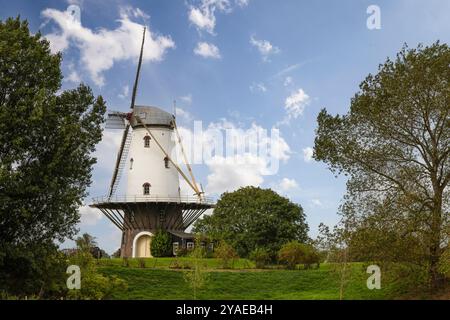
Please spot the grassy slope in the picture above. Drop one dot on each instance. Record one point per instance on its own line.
(160, 283)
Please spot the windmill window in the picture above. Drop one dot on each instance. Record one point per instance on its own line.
(147, 141)
(131, 163)
(146, 187)
(166, 162)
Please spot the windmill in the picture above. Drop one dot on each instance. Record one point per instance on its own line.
(153, 200)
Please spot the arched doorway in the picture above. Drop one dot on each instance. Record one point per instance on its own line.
(141, 245)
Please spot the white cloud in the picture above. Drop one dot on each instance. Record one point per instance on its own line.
(264, 47)
(308, 154)
(124, 93)
(287, 184)
(89, 216)
(100, 49)
(183, 115)
(73, 76)
(226, 175)
(295, 104)
(236, 156)
(258, 87)
(203, 16)
(242, 3)
(288, 81)
(207, 50)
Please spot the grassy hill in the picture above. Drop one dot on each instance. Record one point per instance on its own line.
(157, 281)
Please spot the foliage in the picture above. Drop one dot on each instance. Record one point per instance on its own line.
(394, 144)
(182, 252)
(291, 254)
(47, 139)
(226, 254)
(94, 285)
(161, 245)
(261, 257)
(198, 277)
(444, 262)
(141, 263)
(251, 218)
(32, 270)
(117, 253)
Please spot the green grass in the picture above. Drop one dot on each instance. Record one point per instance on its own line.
(164, 263)
(163, 283)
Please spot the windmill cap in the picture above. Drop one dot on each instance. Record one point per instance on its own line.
(151, 116)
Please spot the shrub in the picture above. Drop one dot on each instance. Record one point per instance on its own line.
(125, 262)
(226, 254)
(291, 254)
(161, 245)
(94, 286)
(311, 256)
(261, 257)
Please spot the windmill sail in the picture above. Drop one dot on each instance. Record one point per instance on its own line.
(133, 98)
(113, 120)
(121, 159)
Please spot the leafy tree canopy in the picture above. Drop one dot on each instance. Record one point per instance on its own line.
(46, 140)
(251, 218)
(394, 144)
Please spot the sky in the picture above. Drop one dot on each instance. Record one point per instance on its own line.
(239, 66)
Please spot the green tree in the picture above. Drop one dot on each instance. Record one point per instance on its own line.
(161, 245)
(394, 145)
(251, 218)
(198, 276)
(47, 139)
(86, 242)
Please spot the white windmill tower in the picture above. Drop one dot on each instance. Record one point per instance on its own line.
(152, 200)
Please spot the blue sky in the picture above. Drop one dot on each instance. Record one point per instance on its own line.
(233, 64)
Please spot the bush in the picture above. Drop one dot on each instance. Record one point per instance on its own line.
(161, 245)
(291, 254)
(226, 254)
(261, 257)
(125, 262)
(94, 286)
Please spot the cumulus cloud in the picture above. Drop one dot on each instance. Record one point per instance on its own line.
(100, 49)
(73, 76)
(235, 156)
(207, 50)
(125, 92)
(287, 184)
(203, 16)
(183, 115)
(264, 47)
(308, 154)
(226, 175)
(295, 104)
(89, 216)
